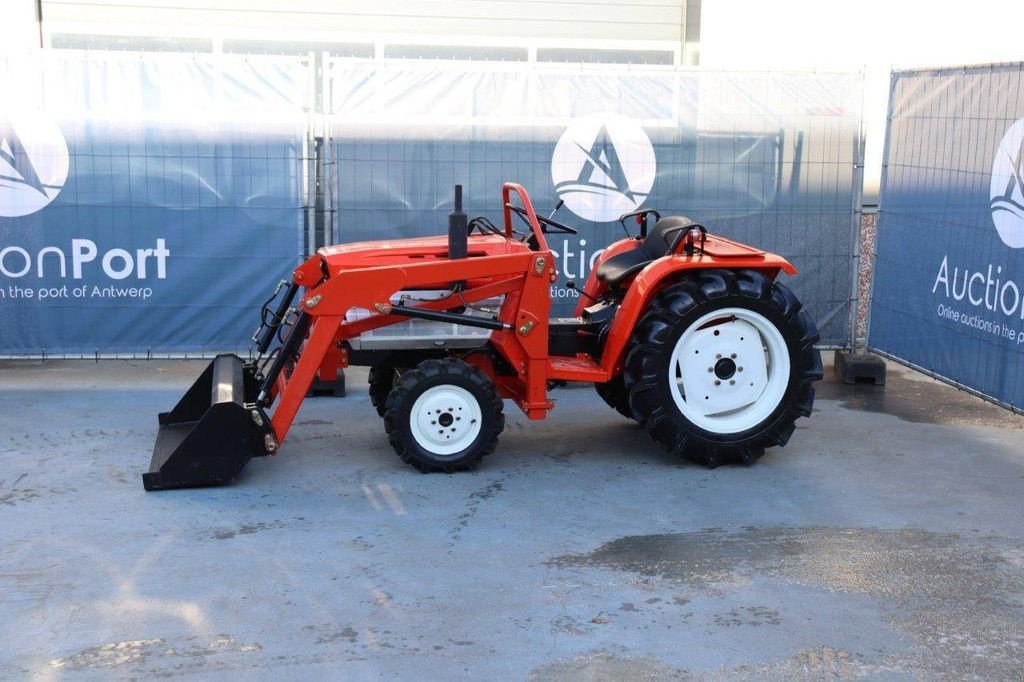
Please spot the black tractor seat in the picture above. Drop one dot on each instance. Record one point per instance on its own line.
(655, 245)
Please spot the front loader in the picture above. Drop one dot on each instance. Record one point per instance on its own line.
(686, 332)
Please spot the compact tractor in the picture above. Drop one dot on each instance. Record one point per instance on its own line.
(686, 332)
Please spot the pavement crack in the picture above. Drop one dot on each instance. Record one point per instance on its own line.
(473, 502)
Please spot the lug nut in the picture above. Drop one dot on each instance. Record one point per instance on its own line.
(717, 382)
(733, 356)
(732, 382)
(711, 369)
(739, 369)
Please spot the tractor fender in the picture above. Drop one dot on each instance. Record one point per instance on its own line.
(660, 274)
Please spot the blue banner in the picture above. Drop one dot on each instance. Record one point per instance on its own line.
(146, 206)
(766, 158)
(948, 293)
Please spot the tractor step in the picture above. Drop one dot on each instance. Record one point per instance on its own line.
(576, 369)
(211, 433)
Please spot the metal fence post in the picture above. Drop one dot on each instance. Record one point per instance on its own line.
(330, 179)
(309, 160)
(882, 182)
(856, 215)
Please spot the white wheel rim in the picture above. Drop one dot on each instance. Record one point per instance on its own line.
(445, 419)
(729, 370)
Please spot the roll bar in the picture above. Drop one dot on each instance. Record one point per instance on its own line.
(531, 215)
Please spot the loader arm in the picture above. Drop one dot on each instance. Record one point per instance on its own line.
(524, 278)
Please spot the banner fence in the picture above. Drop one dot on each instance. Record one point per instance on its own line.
(948, 289)
(149, 202)
(771, 159)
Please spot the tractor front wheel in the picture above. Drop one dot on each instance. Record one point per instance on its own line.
(722, 365)
(443, 415)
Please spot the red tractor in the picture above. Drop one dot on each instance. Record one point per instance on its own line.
(686, 332)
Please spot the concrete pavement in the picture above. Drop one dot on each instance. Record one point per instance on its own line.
(885, 541)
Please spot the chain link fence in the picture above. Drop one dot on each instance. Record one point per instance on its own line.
(147, 201)
(948, 292)
(772, 159)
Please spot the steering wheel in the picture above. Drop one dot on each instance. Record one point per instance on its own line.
(556, 227)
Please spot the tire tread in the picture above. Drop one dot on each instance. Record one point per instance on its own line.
(404, 391)
(651, 342)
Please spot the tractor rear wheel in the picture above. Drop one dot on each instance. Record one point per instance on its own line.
(381, 380)
(722, 365)
(614, 393)
(443, 415)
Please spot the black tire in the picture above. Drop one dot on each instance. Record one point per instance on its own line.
(654, 339)
(437, 373)
(614, 393)
(381, 380)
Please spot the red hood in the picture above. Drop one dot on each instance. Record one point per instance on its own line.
(395, 251)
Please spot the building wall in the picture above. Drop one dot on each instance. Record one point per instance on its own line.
(607, 23)
(19, 30)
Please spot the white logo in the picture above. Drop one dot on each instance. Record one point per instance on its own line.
(1007, 188)
(603, 166)
(33, 163)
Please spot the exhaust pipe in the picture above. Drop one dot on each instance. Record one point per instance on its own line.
(458, 229)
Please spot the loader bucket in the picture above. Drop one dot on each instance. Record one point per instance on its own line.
(210, 434)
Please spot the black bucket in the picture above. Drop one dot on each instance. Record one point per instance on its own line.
(210, 434)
